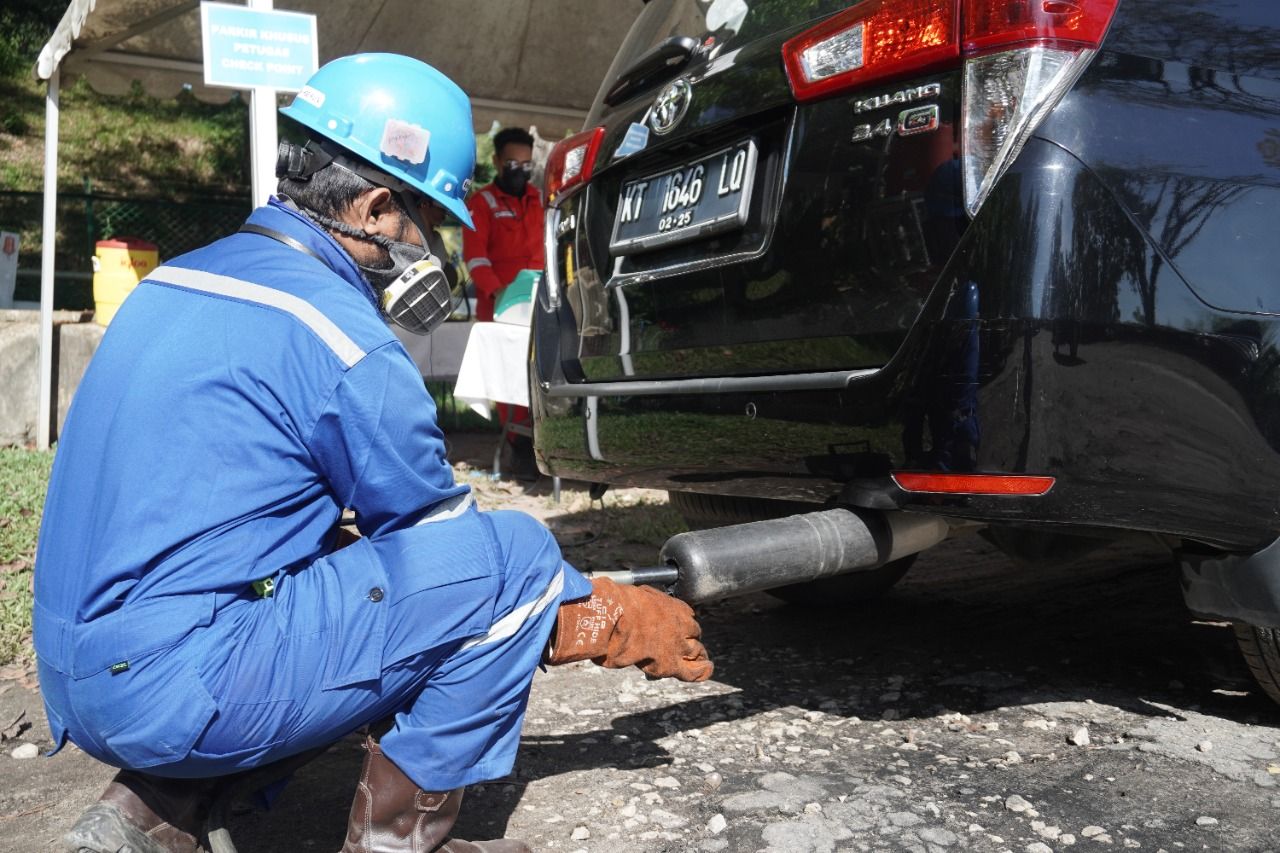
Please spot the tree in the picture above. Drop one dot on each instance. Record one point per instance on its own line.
(25, 26)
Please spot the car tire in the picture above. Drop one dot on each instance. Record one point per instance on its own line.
(701, 511)
(1261, 650)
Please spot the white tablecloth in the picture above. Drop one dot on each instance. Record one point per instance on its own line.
(439, 354)
(495, 367)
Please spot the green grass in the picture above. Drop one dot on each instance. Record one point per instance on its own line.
(132, 144)
(137, 145)
(24, 476)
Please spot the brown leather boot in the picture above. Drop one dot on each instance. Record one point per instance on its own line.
(143, 814)
(391, 814)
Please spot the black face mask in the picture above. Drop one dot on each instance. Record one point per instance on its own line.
(513, 180)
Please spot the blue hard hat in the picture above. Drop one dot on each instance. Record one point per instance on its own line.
(401, 116)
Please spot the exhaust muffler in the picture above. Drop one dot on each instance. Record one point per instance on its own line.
(705, 565)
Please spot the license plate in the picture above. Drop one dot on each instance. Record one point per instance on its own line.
(709, 196)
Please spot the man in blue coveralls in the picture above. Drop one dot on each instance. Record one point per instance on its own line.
(194, 616)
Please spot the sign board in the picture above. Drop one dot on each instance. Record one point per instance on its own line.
(8, 267)
(252, 48)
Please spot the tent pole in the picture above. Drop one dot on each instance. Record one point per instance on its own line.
(48, 235)
(262, 132)
(262, 143)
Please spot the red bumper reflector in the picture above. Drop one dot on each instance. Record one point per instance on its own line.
(972, 484)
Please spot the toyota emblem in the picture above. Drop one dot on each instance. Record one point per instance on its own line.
(670, 106)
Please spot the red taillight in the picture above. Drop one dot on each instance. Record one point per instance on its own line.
(998, 24)
(972, 484)
(878, 40)
(570, 163)
(1020, 59)
(874, 40)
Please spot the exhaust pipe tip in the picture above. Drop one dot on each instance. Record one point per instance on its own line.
(728, 561)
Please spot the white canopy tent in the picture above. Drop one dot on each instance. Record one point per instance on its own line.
(529, 63)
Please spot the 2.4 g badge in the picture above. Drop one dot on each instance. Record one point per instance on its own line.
(909, 123)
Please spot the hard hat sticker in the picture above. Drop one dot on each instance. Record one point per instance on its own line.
(312, 96)
(404, 141)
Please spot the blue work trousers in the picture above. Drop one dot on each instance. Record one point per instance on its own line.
(441, 625)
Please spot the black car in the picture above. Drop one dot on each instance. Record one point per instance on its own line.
(1013, 263)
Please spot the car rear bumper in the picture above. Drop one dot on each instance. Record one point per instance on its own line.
(1056, 342)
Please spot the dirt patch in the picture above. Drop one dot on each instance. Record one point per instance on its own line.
(980, 706)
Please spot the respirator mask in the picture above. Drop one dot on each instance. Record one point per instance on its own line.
(412, 288)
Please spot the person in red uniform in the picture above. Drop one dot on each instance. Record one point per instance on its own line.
(508, 221)
(507, 238)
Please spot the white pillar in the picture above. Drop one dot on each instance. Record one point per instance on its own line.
(262, 143)
(262, 132)
(48, 235)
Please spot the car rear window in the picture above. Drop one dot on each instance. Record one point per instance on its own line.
(731, 23)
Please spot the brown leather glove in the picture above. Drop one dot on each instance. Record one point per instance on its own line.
(631, 626)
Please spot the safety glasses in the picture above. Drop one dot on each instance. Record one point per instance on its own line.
(525, 166)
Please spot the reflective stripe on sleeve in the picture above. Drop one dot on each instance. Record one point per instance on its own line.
(477, 262)
(448, 508)
(488, 196)
(508, 625)
(302, 310)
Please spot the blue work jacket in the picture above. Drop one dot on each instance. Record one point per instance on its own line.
(244, 394)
